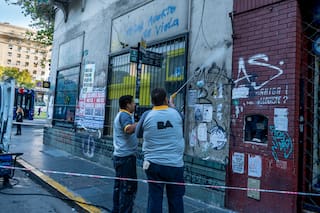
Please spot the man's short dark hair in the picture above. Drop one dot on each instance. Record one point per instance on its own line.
(124, 100)
(158, 96)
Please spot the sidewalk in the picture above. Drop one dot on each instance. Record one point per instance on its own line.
(59, 164)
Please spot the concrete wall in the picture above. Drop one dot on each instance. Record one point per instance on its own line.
(209, 49)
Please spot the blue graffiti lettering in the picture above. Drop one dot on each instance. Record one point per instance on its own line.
(147, 33)
(164, 27)
(135, 28)
(165, 12)
(282, 142)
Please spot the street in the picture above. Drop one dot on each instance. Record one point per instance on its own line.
(68, 176)
(28, 196)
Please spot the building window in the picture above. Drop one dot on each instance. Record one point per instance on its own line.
(43, 73)
(27, 56)
(66, 96)
(9, 54)
(10, 46)
(19, 55)
(9, 61)
(34, 72)
(35, 58)
(122, 78)
(256, 128)
(19, 49)
(18, 63)
(26, 64)
(35, 64)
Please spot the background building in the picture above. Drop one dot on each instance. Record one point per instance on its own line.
(93, 64)
(251, 104)
(17, 51)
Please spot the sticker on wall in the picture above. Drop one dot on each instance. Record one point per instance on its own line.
(241, 92)
(218, 138)
(207, 112)
(198, 112)
(254, 165)
(238, 163)
(193, 138)
(192, 97)
(253, 184)
(88, 77)
(281, 119)
(202, 132)
(281, 164)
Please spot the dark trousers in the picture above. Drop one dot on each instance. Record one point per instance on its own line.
(124, 191)
(18, 129)
(174, 192)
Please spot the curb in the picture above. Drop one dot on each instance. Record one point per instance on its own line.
(58, 188)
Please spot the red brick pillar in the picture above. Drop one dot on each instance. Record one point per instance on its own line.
(265, 106)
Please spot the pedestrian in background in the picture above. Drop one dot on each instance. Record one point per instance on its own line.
(163, 146)
(124, 156)
(19, 119)
(39, 111)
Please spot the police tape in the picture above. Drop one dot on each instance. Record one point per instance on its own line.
(166, 182)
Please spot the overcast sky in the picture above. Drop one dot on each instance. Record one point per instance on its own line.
(13, 15)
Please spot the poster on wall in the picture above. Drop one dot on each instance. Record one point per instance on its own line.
(238, 163)
(202, 132)
(192, 97)
(218, 138)
(90, 109)
(88, 77)
(254, 165)
(281, 119)
(198, 112)
(207, 113)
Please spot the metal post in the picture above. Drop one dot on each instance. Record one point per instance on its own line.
(315, 160)
(138, 82)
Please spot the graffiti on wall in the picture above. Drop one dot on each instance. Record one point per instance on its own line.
(152, 21)
(88, 146)
(281, 143)
(207, 101)
(249, 86)
(256, 60)
(156, 24)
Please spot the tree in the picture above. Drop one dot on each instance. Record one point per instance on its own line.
(42, 16)
(23, 78)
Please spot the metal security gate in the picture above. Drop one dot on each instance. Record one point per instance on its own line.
(309, 159)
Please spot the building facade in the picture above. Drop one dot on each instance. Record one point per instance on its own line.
(248, 75)
(17, 51)
(274, 116)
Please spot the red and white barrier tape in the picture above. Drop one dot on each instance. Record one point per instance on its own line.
(165, 182)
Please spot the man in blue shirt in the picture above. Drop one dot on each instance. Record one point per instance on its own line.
(124, 156)
(163, 146)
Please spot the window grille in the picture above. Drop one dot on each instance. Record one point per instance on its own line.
(122, 77)
(66, 96)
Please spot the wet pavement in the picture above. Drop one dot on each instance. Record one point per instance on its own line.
(26, 196)
(77, 178)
